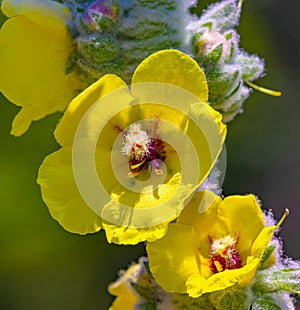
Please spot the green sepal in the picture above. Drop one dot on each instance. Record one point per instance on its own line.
(222, 82)
(232, 298)
(264, 304)
(89, 72)
(225, 15)
(208, 25)
(267, 254)
(184, 302)
(252, 66)
(71, 63)
(98, 50)
(162, 4)
(232, 37)
(147, 267)
(233, 105)
(272, 281)
(195, 39)
(214, 56)
(147, 306)
(147, 292)
(104, 23)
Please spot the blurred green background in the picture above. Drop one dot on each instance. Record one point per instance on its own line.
(44, 267)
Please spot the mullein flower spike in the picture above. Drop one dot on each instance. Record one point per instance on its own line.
(204, 252)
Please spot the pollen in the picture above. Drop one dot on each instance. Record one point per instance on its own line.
(223, 254)
(136, 143)
(142, 150)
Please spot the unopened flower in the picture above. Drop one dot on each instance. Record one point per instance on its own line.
(158, 142)
(35, 47)
(126, 296)
(229, 69)
(211, 251)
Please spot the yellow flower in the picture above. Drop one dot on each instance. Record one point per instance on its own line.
(213, 250)
(126, 297)
(34, 50)
(130, 157)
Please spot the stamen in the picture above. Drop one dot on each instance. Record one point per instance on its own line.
(223, 254)
(141, 150)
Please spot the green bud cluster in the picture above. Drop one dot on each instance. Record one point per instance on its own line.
(215, 45)
(113, 36)
(95, 34)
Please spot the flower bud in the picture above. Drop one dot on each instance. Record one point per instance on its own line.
(225, 15)
(102, 15)
(213, 46)
(227, 67)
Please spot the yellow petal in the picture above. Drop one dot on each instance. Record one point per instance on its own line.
(173, 259)
(207, 133)
(66, 129)
(125, 298)
(202, 213)
(228, 278)
(243, 217)
(262, 241)
(125, 301)
(197, 285)
(173, 67)
(33, 63)
(61, 195)
(127, 235)
(37, 11)
(146, 213)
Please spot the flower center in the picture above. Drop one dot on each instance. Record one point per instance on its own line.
(223, 254)
(142, 150)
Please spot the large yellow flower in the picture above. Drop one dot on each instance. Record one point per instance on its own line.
(211, 251)
(35, 47)
(130, 157)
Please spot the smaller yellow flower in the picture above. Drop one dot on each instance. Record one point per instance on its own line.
(213, 250)
(35, 47)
